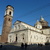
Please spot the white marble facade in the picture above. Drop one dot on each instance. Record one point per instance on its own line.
(24, 33)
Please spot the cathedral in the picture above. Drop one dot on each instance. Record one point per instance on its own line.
(22, 32)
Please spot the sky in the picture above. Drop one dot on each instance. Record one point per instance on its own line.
(28, 11)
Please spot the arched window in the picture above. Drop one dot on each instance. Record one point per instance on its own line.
(23, 36)
(42, 32)
(10, 38)
(9, 19)
(18, 26)
(10, 13)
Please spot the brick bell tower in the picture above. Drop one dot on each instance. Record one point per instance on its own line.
(7, 23)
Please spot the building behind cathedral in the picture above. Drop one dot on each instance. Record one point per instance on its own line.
(24, 33)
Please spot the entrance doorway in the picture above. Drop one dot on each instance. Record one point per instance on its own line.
(16, 39)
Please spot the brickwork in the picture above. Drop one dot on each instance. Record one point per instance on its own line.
(7, 24)
(0, 38)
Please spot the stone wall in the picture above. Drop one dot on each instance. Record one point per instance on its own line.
(36, 38)
(0, 38)
(46, 31)
(6, 28)
(22, 36)
(11, 38)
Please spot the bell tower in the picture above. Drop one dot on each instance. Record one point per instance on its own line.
(7, 23)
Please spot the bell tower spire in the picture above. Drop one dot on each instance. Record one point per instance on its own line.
(7, 23)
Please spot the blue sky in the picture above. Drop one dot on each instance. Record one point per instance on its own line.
(28, 11)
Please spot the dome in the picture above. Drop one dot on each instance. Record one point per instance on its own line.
(43, 22)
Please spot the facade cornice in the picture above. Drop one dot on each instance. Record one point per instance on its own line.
(18, 30)
(31, 30)
(8, 15)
